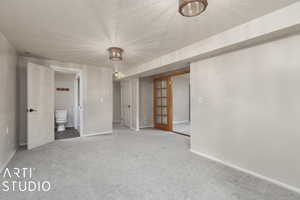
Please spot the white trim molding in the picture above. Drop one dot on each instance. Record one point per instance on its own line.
(271, 180)
(7, 161)
(181, 122)
(100, 133)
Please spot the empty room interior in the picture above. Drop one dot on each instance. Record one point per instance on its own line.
(148, 100)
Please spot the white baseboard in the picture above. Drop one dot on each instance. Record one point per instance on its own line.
(7, 161)
(271, 180)
(100, 133)
(181, 122)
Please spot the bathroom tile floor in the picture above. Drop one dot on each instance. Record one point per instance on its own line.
(68, 133)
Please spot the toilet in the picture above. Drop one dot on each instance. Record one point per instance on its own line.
(61, 120)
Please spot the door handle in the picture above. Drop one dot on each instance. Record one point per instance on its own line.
(31, 110)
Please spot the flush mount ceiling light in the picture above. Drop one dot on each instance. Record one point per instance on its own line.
(191, 8)
(115, 53)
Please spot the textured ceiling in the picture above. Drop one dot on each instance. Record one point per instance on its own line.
(80, 31)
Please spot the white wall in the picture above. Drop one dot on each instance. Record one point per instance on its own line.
(117, 102)
(146, 102)
(181, 98)
(246, 110)
(64, 100)
(8, 79)
(99, 100)
(97, 95)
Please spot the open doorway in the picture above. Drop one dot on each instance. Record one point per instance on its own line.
(65, 106)
(181, 103)
(116, 104)
(67, 103)
(171, 102)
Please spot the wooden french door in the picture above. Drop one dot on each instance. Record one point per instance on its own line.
(162, 103)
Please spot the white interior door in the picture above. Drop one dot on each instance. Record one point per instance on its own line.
(40, 104)
(126, 103)
(135, 104)
(130, 103)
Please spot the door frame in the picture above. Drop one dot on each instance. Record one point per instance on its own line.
(77, 102)
(178, 73)
(167, 76)
(79, 74)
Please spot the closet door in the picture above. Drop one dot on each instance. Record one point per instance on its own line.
(162, 103)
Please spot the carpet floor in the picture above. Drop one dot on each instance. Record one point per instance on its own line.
(184, 128)
(128, 165)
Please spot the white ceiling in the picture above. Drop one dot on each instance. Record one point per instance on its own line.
(80, 31)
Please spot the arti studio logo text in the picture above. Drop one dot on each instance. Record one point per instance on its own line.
(21, 180)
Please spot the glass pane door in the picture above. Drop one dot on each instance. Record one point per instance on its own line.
(162, 106)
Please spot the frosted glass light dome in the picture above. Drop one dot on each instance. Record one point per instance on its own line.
(191, 8)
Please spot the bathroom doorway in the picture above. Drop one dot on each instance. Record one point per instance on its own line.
(68, 101)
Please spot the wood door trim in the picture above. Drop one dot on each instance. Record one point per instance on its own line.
(170, 104)
(168, 126)
(179, 73)
(176, 73)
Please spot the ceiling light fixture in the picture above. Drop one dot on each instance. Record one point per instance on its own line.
(115, 53)
(191, 8)
(117, 75)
